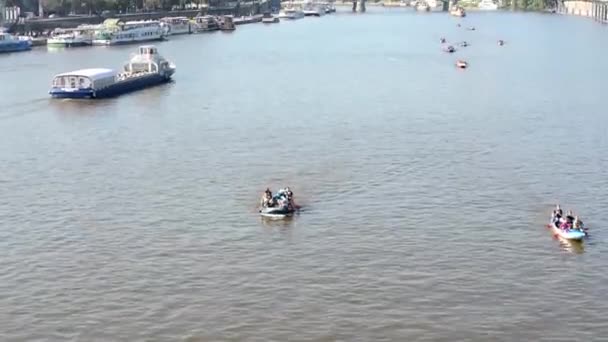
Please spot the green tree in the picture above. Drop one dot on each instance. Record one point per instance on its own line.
(537, 5)
(522, 4)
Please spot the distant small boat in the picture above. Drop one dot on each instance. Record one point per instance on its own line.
(291, 13)
(461, 64)
(501, 42)
(449, 49)
(312, 10)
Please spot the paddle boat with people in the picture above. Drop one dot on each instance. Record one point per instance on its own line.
(449, 49)
(279, 205)
(569, 227)
(462, 64)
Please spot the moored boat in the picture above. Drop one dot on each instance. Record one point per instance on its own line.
(291, 14)
(116, 32)
(268, 18)
(34, 41)
(70, 37)
(429, 6)
(250, 19)
(9, 43)
(227, 23)
(176, 25)
(205, 23)
(145, 69)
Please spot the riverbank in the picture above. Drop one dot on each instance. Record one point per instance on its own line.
(40, 25)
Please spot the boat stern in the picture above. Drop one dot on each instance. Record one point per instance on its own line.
(71, 93)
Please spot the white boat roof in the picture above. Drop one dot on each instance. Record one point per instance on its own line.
(93, 74)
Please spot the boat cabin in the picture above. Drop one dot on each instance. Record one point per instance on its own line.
(147, 60)
(85, 79)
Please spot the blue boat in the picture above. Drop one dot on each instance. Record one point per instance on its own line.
(568, 234)
(9, 43)
(146, 69)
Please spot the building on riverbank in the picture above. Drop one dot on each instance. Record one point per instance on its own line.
(598, 10)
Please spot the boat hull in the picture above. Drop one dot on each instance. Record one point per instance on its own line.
(68, 43)
(116, 89)
(276, 213)
(125, 42)
(16, 46)
(570, 234)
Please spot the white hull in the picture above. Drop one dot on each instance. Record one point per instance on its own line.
(291, 15)
(76, 41)
(126, 41)
(175, 30)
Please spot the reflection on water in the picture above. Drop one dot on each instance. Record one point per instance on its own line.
(571, 246)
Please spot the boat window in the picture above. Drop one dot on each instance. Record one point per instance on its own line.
(58, 82)
(73, 80)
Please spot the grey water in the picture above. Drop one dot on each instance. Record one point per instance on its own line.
(425, 188)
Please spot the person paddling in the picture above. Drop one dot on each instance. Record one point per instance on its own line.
(578, 223)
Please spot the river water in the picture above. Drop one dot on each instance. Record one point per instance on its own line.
(425, 188)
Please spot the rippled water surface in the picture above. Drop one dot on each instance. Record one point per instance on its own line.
(425, 188)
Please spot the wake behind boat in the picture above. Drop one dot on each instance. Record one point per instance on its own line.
(569, 227)
(279, 206)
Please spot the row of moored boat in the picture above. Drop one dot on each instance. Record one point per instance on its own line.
(115, 31)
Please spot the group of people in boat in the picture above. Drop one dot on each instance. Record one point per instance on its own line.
(282, 199)
(570, 221)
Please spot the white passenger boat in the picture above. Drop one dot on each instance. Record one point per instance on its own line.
(71, 37)
(117, 32)
(176, 25)
(145, 69)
